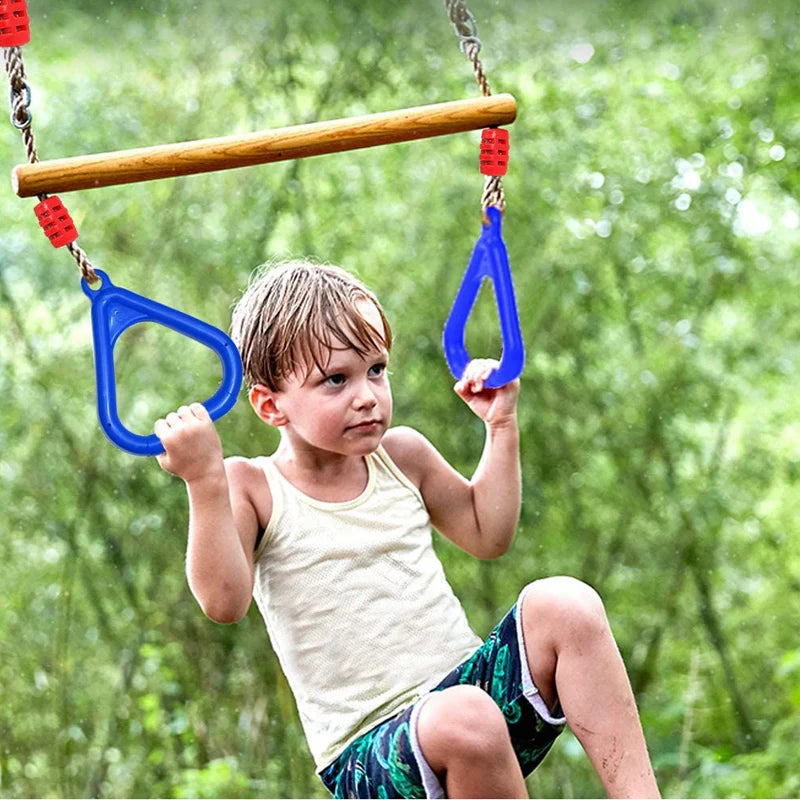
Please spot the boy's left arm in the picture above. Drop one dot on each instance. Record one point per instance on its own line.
(479, 515)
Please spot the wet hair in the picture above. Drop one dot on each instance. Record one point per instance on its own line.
(293, 313)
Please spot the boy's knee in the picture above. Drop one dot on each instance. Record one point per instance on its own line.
(566, 604)
(460, 723)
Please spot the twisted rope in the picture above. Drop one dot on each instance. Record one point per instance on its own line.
(21, 117)
(464, 25)
(19, 99)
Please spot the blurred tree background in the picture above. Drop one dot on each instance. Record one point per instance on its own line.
(653, 227)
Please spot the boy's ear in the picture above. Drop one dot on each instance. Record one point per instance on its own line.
(263, 401)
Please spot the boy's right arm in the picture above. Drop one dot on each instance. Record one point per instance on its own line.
(227, 503)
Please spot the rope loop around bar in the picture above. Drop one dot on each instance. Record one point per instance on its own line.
(20, 100)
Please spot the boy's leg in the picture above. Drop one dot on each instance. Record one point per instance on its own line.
(463, 735)
(574, 661)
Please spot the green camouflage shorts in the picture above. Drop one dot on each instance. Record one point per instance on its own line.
(387, 760)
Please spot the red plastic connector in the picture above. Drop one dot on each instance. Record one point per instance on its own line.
(56, 222)
(15, 26)
(494, 151)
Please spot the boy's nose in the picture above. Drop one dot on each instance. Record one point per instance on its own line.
(365, 397)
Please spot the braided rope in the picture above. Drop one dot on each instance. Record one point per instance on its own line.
(19, 99)
(463, 22)
(84, 265)
(471, 51)
(21, 117)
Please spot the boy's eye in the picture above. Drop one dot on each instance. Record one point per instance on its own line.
(377, 369)
(334, 380)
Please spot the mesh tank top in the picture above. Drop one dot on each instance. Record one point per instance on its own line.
(356, 604)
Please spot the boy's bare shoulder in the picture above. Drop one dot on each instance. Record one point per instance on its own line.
(409, 450)
(244, 470)
(247, 483)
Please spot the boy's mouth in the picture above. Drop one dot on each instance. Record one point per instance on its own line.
(366, 425)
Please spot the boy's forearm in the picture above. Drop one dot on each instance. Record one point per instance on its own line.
(497, 487)
(217, 569)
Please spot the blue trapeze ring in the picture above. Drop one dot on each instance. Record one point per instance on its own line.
(114, 310)
(489, 260)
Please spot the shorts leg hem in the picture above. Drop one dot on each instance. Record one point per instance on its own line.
(430, 783)
(528, 687)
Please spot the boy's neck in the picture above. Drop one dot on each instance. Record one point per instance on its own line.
(329, 477)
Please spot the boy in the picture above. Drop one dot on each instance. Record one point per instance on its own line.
(332, 536)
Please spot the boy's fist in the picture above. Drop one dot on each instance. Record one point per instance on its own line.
(192, 449)
(491, 405)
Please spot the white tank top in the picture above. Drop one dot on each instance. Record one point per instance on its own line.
(356, 604)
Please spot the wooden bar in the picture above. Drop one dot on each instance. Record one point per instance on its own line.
(281, 144)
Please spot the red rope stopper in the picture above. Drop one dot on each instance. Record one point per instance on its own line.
(15, 27)
(56, 222)
(494, 151)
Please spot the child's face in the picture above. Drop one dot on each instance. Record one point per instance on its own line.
(344, 409)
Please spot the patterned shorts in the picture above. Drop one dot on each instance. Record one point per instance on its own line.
(387, 760)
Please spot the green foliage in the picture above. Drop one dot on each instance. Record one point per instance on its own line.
(221, 777)
(654, 232)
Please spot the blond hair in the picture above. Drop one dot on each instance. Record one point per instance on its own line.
(293, 312)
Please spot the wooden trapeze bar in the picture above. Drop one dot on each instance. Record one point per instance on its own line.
(281, 144)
